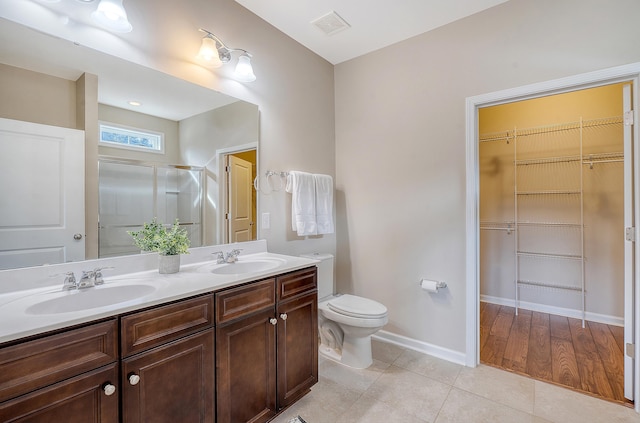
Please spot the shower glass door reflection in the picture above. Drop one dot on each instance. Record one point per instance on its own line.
(131, 194)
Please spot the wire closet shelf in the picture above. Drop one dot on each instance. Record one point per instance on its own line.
(579, 162)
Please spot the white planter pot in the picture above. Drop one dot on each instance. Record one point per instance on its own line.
(168, 264)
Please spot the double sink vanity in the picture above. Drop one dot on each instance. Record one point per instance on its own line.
(232, 342)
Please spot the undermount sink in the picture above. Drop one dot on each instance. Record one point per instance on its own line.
(241, 267)
(88, 298)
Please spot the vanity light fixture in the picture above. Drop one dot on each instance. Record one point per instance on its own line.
(111, 15)
(215, 53)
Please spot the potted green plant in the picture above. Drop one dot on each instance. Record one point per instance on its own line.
(169, 243)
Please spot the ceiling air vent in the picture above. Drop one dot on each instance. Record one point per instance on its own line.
(331, 23)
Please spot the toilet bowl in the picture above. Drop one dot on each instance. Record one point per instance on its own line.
(345, 322)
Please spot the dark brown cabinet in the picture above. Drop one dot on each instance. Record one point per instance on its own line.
(70, 376)
(171, 383)
(266, 346)
(240, 354)
(297, 348)
(246, 369)
(81, 399)
(167, 366)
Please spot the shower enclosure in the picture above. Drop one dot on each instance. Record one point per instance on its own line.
(132, 193)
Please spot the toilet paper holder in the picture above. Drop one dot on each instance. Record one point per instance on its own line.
(438, 284)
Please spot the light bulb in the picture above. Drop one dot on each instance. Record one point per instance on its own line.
(244, 71)
(209, 52)
(111, 15)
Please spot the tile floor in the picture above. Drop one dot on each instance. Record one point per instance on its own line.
(406, 386)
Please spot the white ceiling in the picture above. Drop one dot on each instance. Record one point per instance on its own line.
(373, 23)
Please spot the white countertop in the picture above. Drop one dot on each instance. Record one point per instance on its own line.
(16, 321)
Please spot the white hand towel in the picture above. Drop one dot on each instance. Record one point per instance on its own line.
(301, 185)
(324, 203)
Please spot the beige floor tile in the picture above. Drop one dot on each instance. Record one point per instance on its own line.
(310, 415)
(507, 388)
(562, 405)
(430, 366)
(465, 407)
(369, 410)
(418, 395)
(326, 401)
(385, 352)
(358, 380)
(418, 389)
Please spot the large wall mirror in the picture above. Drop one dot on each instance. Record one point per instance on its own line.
(48, 82)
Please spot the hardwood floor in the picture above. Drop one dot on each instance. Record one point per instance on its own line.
(555, 349)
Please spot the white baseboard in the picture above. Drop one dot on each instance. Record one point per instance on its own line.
(558, 311)
(420, 346)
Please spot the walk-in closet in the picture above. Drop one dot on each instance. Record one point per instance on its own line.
(552, 239)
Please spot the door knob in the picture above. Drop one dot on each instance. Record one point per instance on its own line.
(283, 316)
(273, 321)
(109, 389)
(77, 237)
(134, 379)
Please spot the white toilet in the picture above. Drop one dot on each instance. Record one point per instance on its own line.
(345, 322)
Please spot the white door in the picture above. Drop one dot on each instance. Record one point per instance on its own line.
(41, 194)
(239, 199)
(629, 244)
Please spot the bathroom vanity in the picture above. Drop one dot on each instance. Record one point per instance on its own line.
(242, 349)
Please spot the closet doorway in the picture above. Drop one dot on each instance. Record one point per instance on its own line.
(554, 201)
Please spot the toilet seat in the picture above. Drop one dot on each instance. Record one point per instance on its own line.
(359, 307)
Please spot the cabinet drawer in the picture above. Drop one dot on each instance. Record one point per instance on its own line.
(80, 399)
(297, 283)
(34, 364)
(146, 329)
(244, 300)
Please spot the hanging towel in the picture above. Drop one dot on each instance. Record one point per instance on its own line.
(301, 185)
(324, 203)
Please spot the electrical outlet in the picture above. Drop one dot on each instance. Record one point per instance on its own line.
(266, 221)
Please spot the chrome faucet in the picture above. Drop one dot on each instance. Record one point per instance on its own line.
(87, 280)
(219, 257)
(69, 281)
(232, 256)
(97, 277)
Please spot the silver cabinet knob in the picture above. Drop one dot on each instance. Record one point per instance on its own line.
(77, 237)
(134, 379)
(273, 321)
(283, 316)
(109, 389)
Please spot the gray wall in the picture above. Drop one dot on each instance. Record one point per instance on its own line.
(400, 143)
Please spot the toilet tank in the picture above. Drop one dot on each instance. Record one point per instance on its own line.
(326, 282)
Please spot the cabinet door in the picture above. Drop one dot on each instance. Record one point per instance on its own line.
(297, 348)
(170, 383)
(246, 369)
(80, 399)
